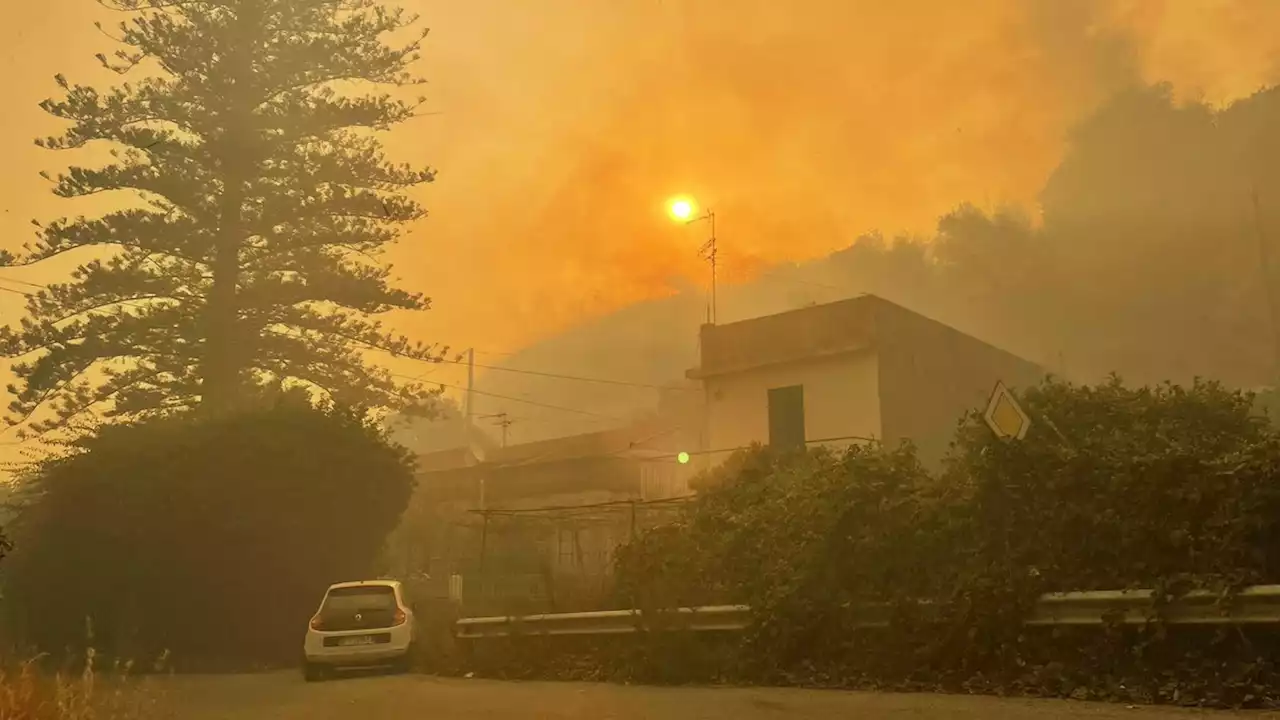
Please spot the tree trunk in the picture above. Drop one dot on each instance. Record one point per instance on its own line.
(222, 366)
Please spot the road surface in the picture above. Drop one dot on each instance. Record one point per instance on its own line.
(284, 696)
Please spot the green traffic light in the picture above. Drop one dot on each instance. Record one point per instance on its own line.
(683, 458)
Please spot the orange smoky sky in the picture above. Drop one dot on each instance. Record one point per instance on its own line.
(563, 125)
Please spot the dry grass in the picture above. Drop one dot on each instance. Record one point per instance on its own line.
(27, 693)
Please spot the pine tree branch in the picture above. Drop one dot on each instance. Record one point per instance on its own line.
(240, 141)
(105, 394)
(101, 306)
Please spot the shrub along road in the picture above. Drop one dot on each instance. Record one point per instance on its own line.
(284, 696)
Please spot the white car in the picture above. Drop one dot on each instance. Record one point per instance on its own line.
(361, 624)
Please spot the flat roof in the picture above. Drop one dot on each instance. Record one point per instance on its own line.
(805, 333)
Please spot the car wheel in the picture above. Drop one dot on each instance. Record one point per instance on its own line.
(311, 672)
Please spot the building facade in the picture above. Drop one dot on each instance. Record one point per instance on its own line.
(857, 370)
(537, 524)
(534, 527)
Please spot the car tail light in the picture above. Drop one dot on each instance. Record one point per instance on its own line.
(317, 623)
(400, 617)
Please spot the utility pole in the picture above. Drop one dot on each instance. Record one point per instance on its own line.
(708, 251)
(503, 422)
(471, 379)
(467, 419)
(682, 209)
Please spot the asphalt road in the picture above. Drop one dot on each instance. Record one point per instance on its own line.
(282, 696)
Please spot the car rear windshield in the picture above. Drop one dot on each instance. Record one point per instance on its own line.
(377, 597)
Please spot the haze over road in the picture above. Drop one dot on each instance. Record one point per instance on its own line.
(284, 696)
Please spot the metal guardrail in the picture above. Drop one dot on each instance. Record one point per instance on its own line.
(604, 622)
(1256, 605)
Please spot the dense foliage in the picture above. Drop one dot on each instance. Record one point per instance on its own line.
(263, 200)
(1115, 487)
(212, 538)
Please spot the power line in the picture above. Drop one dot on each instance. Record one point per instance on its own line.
(20, 282)
(28, 283)
(579, 378)
(17, 292)
(537, 373)
(534, 403)
(135, 302)
(519, 371)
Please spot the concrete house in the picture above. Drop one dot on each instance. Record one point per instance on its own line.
(843, 372)
(541, 521)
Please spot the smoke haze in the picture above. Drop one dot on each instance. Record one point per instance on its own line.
(562, 126)
(802, 124)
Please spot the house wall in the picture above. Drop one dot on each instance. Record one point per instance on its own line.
(567, 547)
(931, 375)
(662, 479)
(841, 399)
(560, 555)
(539, 481)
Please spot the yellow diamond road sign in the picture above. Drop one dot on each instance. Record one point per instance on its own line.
(1005, 416)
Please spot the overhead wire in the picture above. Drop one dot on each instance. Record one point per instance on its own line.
(579, 378)
(526, 401)
(458, 361)
(28, 283)
(534, 403)
(17, 292)
(554, 375)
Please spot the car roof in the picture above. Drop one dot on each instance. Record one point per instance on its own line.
(365, 583)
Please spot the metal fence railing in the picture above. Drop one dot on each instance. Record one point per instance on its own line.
(1257, 605)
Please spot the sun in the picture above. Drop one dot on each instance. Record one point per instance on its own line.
(680, 208)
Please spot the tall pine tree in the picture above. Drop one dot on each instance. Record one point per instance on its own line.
(251, 136)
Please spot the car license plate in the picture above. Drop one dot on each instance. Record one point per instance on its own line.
(356, 640)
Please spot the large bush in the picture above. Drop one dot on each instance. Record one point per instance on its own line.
(212, 538)
(1114, 487)
(1120, 487)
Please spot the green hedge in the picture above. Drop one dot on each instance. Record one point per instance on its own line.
(1114, 487)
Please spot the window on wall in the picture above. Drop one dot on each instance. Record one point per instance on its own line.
(786, 416)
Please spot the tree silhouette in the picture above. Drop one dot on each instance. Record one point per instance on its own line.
(276, 493)
(266, 198)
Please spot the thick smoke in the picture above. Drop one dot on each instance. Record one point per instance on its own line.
(803, 124)
(564, 124)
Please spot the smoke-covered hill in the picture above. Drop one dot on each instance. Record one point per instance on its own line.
(1149, 261)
